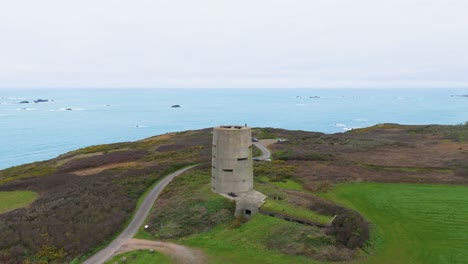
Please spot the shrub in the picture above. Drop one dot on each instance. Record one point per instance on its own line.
(241, 219)
(315, 156)
(282, 155)
(36, 169)
(50, 253)
(350, 229)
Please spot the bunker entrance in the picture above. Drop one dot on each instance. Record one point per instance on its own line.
(248, 212)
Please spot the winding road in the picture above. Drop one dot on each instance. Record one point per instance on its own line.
(137, 220)
(262, 146)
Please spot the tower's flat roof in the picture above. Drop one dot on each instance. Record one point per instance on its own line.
(233, 127)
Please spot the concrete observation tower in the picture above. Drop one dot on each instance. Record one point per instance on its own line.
(232, 160)
(232, 168)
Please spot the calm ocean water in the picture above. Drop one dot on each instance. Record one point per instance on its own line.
(38, 131)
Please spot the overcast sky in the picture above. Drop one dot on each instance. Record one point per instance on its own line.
(236, 43)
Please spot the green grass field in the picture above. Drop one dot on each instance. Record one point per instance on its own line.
(414, 223)
(244, 244)
(141, 257)
(17, 199)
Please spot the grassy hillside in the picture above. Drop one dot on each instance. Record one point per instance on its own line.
(88, 195)
(16, 199)
(414, 223)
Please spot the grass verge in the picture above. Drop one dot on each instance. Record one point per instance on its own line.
(141, 257)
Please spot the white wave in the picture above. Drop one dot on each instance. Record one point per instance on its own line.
(301, 104)
(140, 126)
(361, 120)
(340, 125)
(349, 128)
(25, 109)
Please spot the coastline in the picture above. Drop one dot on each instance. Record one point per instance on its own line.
(110, 116)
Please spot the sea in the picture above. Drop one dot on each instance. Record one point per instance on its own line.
(76, 118)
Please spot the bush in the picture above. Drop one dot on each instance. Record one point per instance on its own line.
(315, 156)
(350, 229)
(241, 219)
(282, 155)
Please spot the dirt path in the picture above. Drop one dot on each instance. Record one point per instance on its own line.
(180, 254)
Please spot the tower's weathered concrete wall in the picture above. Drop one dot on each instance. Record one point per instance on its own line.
(232, 169)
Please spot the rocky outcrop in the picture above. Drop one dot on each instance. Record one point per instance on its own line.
(41, 101)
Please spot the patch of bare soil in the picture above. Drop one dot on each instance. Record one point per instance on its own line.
(91, 171)
(180, 254)
(79, 156)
